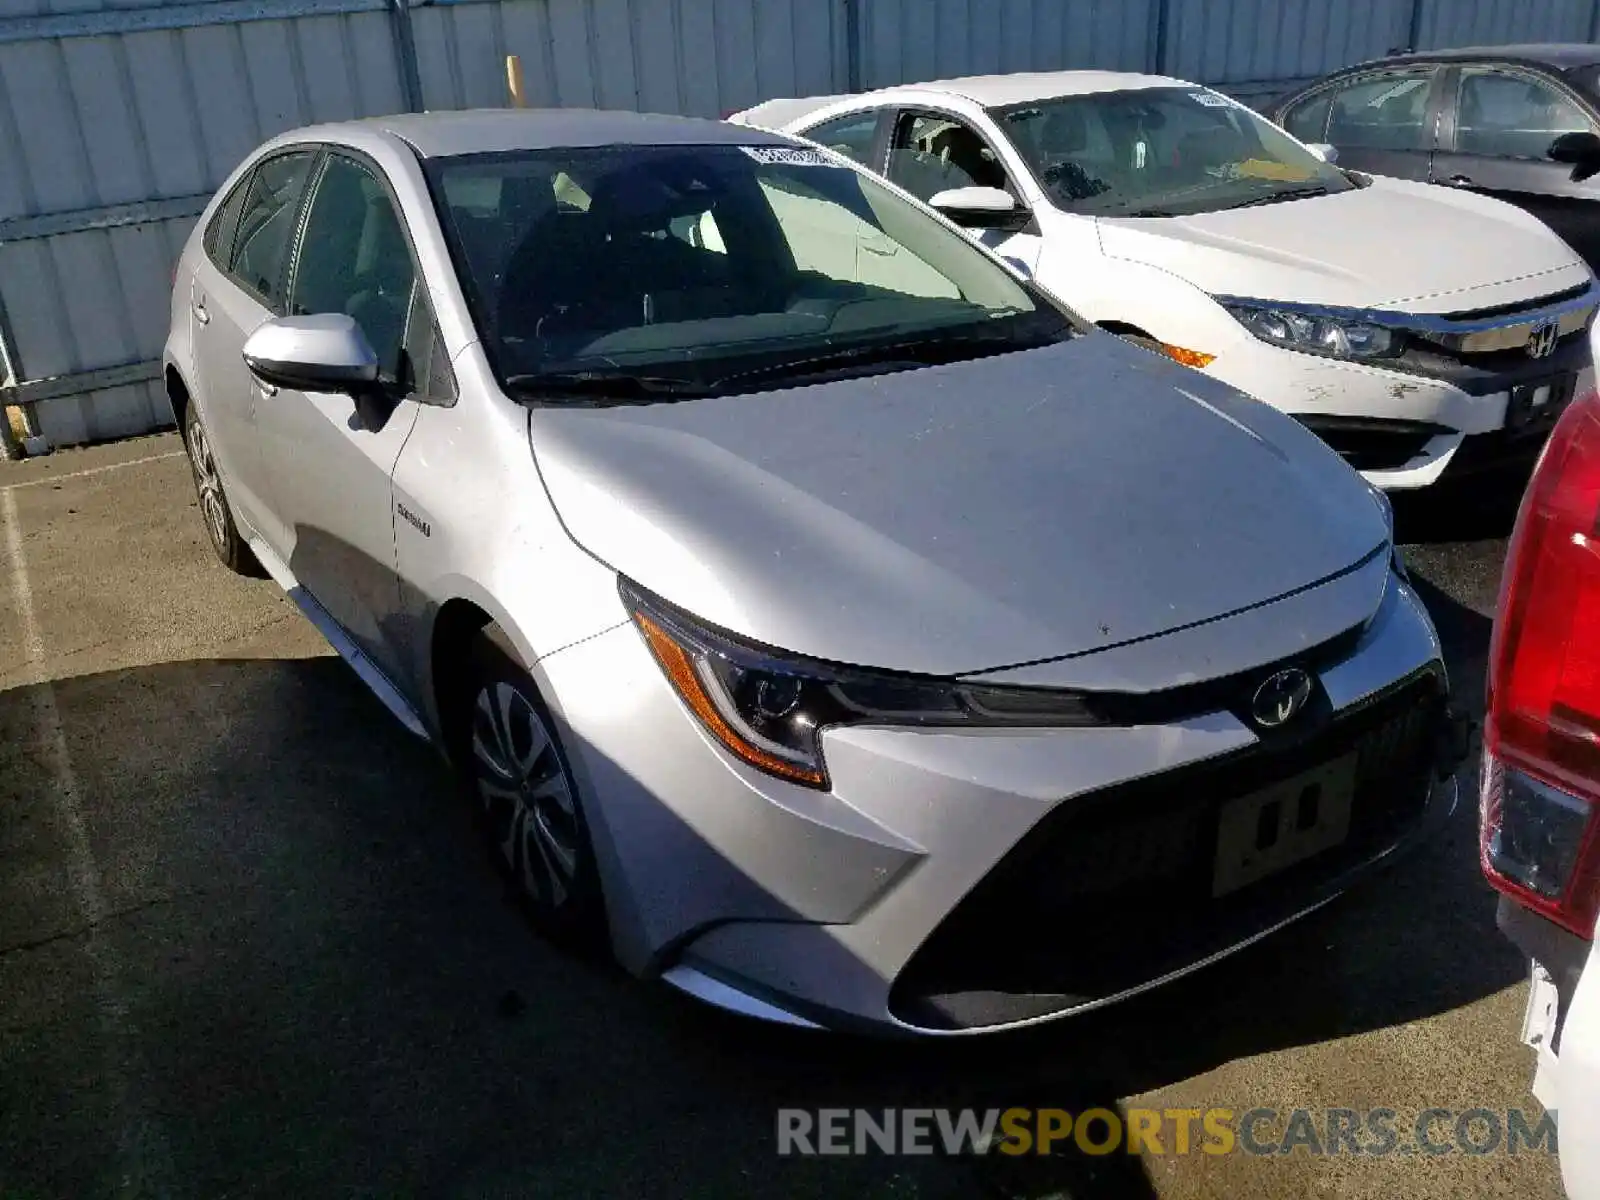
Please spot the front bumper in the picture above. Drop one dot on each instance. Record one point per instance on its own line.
(1403, 430)
(856, 908)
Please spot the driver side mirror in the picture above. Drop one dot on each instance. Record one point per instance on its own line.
(1580, 148)
(1326, 152)
(322, 353)
(981, 208)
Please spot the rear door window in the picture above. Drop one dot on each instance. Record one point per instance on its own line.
(266, 225)
(851, 136)
(1506, 114)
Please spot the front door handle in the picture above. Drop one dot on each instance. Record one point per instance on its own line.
(200, 313)
(1459, 181)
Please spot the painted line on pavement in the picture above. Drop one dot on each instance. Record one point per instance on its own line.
(117, 466)
(142, 1148)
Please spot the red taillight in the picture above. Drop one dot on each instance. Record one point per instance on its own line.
(1540, 794)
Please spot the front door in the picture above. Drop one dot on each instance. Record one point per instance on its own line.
(329, 457)
(1495, 139)
(932, 152)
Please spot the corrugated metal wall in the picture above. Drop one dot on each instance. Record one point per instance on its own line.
(150, 121)
(119, 117)
(1253, 46)
(701, 57)
(1498, 22)
(907, 40)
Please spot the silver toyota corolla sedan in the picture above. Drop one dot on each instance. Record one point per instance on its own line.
(825, 619)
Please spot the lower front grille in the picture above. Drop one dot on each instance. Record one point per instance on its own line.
(1113, 889)
(1371, 444)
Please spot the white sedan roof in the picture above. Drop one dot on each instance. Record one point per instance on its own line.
(997, 91)
(987, 91)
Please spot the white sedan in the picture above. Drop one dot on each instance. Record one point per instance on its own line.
(1416, 329)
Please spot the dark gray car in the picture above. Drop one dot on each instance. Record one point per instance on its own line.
(1521, 123)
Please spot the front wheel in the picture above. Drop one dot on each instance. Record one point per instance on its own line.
(513, 766)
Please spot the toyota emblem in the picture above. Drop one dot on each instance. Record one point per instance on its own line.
(1280, 697)
(1542, 339)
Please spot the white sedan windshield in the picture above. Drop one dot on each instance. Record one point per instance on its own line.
(1161, 152)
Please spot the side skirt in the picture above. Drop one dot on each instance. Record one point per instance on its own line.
(343, 644)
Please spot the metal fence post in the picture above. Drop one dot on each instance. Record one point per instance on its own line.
(405, 45)
(852, 45)
(10, 373)
(1414, 26)
(1160, 20)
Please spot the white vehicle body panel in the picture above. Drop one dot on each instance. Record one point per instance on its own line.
(1567, 1079)
(1391, 244)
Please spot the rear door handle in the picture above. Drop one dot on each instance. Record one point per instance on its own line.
(200, 313)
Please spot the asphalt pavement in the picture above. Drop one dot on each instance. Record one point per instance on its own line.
(251, 945)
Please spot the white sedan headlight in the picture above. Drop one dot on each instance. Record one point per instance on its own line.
(1328, 332)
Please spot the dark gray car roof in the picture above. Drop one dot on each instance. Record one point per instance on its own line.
(489, 130)
(1559, 55)
(1555, 54)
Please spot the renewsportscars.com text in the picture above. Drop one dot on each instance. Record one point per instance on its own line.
(1374, 1132)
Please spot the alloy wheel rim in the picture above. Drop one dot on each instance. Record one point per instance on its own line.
(208, 484)
(525, 792)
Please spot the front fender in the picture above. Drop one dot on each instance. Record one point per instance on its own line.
(1166, 306)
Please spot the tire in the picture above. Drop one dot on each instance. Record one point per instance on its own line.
(515, 772)
(215, 510)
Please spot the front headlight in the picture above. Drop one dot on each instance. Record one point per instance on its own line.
(770, 708)
(1328, 332)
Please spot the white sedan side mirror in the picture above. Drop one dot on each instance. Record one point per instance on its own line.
(979, 207)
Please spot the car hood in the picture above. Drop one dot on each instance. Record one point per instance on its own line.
(1389, 244)
(959, 518)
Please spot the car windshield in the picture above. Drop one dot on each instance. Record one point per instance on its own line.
(1162, 152)
(714, 267)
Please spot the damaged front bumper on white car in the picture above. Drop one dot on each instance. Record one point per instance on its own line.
(1464, 391)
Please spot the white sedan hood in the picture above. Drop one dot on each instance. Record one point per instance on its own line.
(1392, 244)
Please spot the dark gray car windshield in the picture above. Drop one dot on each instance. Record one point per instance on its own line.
(717, 266)
(1161, 152)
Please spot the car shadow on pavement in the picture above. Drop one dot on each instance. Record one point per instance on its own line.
(1477, 508)
(326, 987)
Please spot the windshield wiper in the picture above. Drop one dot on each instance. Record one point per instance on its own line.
(1279, 197)
(616, 385)
(930, 348)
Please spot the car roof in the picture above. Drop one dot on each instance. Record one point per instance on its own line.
(997, 91)
(492, 130)
(1560, 55)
